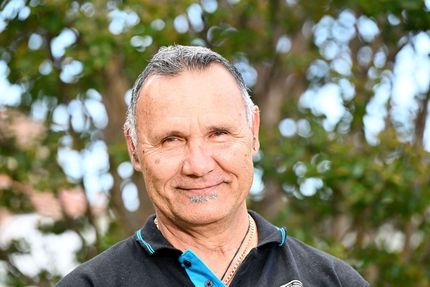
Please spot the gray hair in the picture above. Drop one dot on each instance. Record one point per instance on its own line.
(172, 60)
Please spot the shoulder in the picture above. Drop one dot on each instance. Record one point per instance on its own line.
(104, 268)
(322, 266)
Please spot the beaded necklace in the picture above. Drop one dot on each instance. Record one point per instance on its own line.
(237, 251)
(251, 231)
(226, 278)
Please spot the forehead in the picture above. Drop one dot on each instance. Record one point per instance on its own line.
(191, 91)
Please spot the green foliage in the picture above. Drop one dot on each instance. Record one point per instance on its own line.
(371, 204)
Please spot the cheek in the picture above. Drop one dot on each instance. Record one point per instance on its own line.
(236, 159)
(158, 169)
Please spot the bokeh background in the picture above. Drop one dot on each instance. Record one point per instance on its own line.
(343, 88)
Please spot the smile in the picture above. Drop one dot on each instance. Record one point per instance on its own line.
(199, 189)
(200, 194)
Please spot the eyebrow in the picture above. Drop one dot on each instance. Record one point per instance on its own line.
(222, 126)
(232, 129)
(219, 127)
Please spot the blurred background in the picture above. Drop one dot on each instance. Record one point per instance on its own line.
(343, 88)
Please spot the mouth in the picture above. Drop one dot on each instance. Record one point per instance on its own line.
(200, 193)
(199, 189)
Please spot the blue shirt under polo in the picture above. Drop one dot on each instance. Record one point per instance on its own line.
(148, 259)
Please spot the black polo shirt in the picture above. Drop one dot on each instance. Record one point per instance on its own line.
(148, 259)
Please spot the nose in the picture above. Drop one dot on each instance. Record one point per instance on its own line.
(198, 160)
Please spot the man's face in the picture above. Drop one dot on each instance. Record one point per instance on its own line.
(195, 146)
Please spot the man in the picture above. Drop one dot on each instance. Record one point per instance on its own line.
(192, 131)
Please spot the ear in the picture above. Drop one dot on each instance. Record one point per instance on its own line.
(255, 129)
(132, 151)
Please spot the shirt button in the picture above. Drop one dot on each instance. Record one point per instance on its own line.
(209, 283)
(187, 263)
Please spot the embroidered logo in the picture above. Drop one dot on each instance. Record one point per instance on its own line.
(294, 283)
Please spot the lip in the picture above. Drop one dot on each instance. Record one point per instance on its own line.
(199, 188)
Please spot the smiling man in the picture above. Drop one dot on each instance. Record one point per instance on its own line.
(192, 131)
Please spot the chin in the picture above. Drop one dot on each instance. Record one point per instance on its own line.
(204, 213)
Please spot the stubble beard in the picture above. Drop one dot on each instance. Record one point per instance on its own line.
(203, 198)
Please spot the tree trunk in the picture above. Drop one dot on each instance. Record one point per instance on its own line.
(116, 86)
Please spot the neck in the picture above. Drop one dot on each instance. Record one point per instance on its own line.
(215, 243)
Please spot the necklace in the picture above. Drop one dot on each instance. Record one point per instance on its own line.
(237, 250)
(251, 230)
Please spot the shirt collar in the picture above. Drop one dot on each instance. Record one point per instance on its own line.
(151, 239)
(267, 232)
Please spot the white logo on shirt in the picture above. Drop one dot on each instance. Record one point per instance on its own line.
(294, 283)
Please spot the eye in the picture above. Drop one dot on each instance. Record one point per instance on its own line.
(219, 132)
(170, 139)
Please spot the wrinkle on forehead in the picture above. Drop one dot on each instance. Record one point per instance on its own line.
(192, 95)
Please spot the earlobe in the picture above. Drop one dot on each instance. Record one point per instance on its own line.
(132, 151)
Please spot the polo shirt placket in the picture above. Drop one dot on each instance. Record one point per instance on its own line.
(151, 239)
